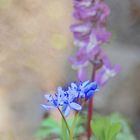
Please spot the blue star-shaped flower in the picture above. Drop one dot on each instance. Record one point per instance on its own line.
(70, 99)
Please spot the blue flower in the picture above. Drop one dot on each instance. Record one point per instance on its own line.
(55, 101)
(70, 99)
(87, 89)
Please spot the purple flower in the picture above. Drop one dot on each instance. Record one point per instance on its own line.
(86, 14)
(102, 36)
(90, 10)
(85, 34)
(80, 60)
(81, 33)
(103, 11)
(82, 28)
(89, 34)
(81, 41)
(105, 73)
(82, 74)
(70, 99)
(83, 3)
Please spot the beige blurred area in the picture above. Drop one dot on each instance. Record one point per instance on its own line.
(35, 44)
(34, 48)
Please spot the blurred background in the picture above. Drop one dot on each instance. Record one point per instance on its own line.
(35, 44)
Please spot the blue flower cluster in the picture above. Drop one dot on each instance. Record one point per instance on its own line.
(69, 99)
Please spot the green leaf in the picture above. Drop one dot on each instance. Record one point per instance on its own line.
(113, 130)
(64, 132)
(98, 128)
(49, 122)
(104, 129)
(114, 127)
(78, 130)
(42, 134)
(47, 128)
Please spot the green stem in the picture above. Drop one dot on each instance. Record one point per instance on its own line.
(73, 125)
(65, 121)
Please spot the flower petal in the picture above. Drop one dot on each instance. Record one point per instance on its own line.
(91, 86)
(48, 97)
(90, 93)
(82, 74)
(85, 83)
(48, 107)
(73, 85)
(75, 106)
(67, 111)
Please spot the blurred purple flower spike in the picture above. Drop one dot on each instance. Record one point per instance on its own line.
(89, 34)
